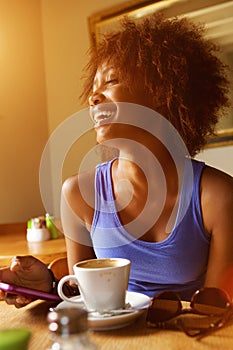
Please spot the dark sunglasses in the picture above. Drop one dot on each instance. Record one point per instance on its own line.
(212, 302)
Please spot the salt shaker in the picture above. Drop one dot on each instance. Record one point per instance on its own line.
(69, 328)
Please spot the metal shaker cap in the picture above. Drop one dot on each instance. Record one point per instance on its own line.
(68, 321)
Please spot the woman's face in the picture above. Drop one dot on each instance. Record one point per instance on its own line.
(108, 89)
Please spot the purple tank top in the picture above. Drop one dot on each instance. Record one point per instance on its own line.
(178, 263)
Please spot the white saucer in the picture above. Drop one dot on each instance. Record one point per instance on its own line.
(98, 323)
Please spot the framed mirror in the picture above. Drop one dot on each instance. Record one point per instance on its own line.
(216, 15)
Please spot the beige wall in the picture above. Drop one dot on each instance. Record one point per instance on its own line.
(23, 119)
(66, 41)
(42, 52)
(218, 157)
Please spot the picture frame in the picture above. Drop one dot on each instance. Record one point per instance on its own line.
(217, 15)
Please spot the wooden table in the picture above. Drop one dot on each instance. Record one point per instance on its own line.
(133, 337)
(13, 242)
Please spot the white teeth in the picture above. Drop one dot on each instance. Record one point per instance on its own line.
(101, 115)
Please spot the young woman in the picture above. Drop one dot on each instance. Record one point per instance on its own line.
(156, 90)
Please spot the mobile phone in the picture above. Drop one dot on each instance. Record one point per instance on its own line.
(32, 293)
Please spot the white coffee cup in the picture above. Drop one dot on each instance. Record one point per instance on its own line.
(102, 283)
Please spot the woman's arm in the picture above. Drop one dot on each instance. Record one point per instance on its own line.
(77, 252)
(77, 210)
(217, 207)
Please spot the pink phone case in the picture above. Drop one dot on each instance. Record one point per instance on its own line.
(33, 293)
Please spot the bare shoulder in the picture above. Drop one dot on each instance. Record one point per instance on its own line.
(216, 198)
(214, 180)
(79, 193)
(76, 182)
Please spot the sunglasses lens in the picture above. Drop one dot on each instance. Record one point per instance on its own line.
(210, 301)
(164, 306)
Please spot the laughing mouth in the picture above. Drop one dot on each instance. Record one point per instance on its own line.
(103, 112)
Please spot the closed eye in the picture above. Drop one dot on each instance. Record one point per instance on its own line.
(111, 82)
